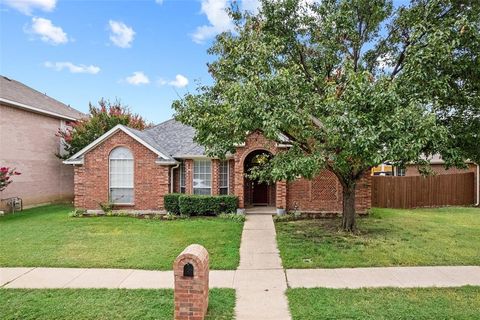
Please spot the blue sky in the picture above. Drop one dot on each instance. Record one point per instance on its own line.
(142, 52)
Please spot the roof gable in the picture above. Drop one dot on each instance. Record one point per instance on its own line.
(17, 94)
(77, 158)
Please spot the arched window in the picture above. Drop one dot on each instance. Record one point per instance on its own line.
(121, 176)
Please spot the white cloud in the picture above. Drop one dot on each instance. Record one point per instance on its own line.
(47, 31)
(73, 68)
(27, 6)
(217, 17)
(159, 2)
(179, 82)
(138, 78)
(121, 35)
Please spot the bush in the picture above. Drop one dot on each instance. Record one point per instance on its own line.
(192, 205)
(171, 203)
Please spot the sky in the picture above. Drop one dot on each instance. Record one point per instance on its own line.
(146, 53)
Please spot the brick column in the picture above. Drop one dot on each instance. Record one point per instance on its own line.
(191, 277)
(79, 186)
(215, 177)
(281, 195)
(189, 176)
(239, 180)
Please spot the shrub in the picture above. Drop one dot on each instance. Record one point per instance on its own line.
(232, 216)
(170, 202)
(206, 205)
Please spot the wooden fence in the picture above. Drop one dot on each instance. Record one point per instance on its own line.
(418, 191)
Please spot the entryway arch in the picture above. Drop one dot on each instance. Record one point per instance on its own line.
(257, 193)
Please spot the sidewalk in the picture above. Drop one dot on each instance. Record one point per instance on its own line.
(400, 277)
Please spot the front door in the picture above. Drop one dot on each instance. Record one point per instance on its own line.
(260, 193)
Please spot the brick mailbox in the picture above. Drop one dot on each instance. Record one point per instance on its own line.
(191, 270)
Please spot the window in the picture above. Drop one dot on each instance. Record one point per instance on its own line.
(202, 177)
(223, 177)
(182, 177)
(121, 176)
(401, 171)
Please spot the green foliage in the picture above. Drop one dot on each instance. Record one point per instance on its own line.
(198, 205)
(49, 238)
(170, 201)
(232, 216)
(384, 303)
(387, 237)
(100, 119)
(107, 207)
(351, 83)
(120, 304)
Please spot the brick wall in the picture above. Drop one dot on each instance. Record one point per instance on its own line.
(92, 180)
(324, 194)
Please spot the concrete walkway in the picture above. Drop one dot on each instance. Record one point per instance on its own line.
(260, 281)
(100, 278)
(400, 277)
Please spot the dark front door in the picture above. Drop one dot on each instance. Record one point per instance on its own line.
(260, 193)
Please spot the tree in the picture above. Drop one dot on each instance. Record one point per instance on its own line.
(352, 83)
(101, 119)
(5, 174)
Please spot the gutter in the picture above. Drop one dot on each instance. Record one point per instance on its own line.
(37, 110)
(171, 176)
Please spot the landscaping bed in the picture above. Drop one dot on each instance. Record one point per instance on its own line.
(385, 303)
(48, 237)
(387, 237)
(104, 304)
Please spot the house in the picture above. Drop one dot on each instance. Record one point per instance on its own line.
(29, 121)
(135, 169)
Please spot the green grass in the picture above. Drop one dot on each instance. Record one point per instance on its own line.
(388, 237)
(385, 303)
(103, 304)
(47, 237)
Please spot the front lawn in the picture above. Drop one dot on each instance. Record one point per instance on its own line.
(47, 237)
(388, 237)
(385, 303)
(103, 304)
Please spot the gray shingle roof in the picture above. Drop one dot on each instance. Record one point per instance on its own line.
(175, 138)
(18, 92)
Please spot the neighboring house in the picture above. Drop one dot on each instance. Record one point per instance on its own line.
(29, 121)
(135, 169)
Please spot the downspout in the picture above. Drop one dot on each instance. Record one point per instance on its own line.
(171, 176)
(478, 185)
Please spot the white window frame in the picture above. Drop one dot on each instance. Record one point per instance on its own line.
(181, 178)
(195, 173)
(220, 173)
(110, 187)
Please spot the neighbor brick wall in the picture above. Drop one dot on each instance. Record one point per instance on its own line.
(29, 144)
(92, 181)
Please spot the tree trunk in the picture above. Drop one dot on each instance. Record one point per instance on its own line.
(348, 222)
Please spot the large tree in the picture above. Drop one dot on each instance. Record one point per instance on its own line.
(352, 83)
(101, 118)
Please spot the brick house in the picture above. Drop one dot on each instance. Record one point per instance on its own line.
(28, 122)
(134, 169)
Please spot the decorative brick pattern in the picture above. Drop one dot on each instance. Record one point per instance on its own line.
(92, 180)
(191, 293)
